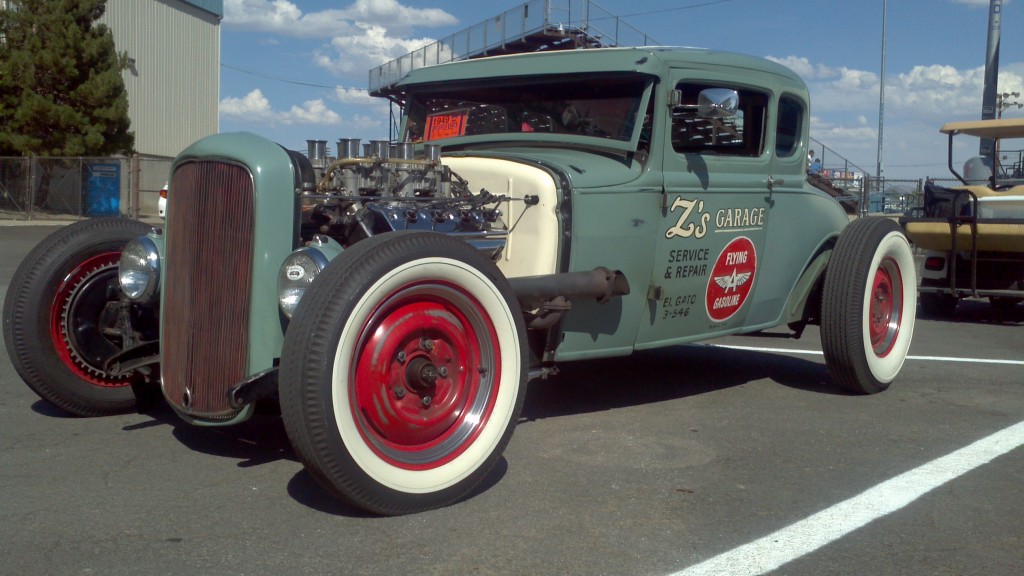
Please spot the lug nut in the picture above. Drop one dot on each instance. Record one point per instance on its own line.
(442, 372)
(426, 401)
(401, 357)
(427, 344)
(399, 392)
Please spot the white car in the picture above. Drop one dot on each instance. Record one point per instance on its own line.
(161, 204)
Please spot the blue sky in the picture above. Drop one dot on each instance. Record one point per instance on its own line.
(293, 70)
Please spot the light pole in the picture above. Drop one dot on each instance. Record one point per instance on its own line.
(881, 125)
(1002, 104)
(881, 101)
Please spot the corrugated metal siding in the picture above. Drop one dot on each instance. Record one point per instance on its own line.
(174, 87)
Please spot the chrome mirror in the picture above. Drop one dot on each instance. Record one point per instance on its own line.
(717, 103)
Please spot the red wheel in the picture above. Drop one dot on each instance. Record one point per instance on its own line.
(421, 389)
(403, 372)
(77, 305)
(868, 305)
(885, 307)
(57, 334)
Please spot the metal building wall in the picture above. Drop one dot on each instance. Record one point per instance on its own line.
(174, 85)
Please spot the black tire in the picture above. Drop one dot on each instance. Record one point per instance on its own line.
(868, 305)
(395, 319)
(51, 317)
(937, 304)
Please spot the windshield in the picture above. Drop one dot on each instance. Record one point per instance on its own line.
(569, 104)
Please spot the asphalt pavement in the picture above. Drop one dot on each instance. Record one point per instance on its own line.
(646, 465)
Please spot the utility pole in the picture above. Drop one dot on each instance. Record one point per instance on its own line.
(881, 113)
(881, 98)
(988, 99)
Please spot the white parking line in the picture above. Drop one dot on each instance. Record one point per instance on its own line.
(930, 358)
(806, 536)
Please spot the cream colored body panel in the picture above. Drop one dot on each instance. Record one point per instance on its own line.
(532, 247)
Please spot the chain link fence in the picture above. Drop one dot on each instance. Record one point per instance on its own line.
(899, 196)
(76, 188)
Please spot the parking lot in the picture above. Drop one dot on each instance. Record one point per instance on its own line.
(739, 452)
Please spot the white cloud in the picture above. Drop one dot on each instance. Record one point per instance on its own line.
(936, 92)
(917, 102)
(829, 132)
(285, 18)
(265, 15)
(254, 108)
(360, 97)
(313, 112)
(937, 89)
(799, 64)
(370, 47)
(803, 67)
(355, 96)
(363, 35)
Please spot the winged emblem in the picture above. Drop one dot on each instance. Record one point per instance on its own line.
(732, 281)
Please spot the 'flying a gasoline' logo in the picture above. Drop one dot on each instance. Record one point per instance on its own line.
(731, 279)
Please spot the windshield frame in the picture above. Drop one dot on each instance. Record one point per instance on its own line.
(416, 95)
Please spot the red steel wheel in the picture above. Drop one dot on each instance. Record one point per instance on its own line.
(885, 310)
(52, 318)
(77, 303)
(403, 372)
(425, 374)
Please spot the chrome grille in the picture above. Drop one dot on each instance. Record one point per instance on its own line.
(208, 276)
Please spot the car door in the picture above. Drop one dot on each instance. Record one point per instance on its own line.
(715, 210)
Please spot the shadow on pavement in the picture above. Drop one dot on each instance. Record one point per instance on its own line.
(974, 311)
(666, 374)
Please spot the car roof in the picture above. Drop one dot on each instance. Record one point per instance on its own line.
(1002, 128)
(644, 60)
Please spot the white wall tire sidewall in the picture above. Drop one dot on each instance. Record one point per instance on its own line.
(884, 369)
(452, 472)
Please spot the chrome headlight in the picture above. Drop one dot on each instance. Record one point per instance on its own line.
(297, 272)
(139, 269)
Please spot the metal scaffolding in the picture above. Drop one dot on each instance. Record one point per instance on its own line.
(534, 26)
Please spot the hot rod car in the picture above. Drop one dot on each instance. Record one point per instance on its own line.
(536, 209)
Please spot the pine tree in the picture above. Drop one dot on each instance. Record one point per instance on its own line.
(61, 91)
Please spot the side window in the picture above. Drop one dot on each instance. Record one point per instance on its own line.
(738, 135)
(787, 134)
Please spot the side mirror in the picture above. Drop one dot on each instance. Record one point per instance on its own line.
(717, 103)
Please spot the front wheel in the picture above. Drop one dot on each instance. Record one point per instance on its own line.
(58, 335)
(868, 305)
(403, 372)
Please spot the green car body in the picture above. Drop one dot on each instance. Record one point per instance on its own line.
(618, 211)
(535, 209)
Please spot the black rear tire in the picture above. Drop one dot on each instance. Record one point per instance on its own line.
(51, 317)
(868, 305)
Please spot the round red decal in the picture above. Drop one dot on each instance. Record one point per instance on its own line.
(731, 279)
